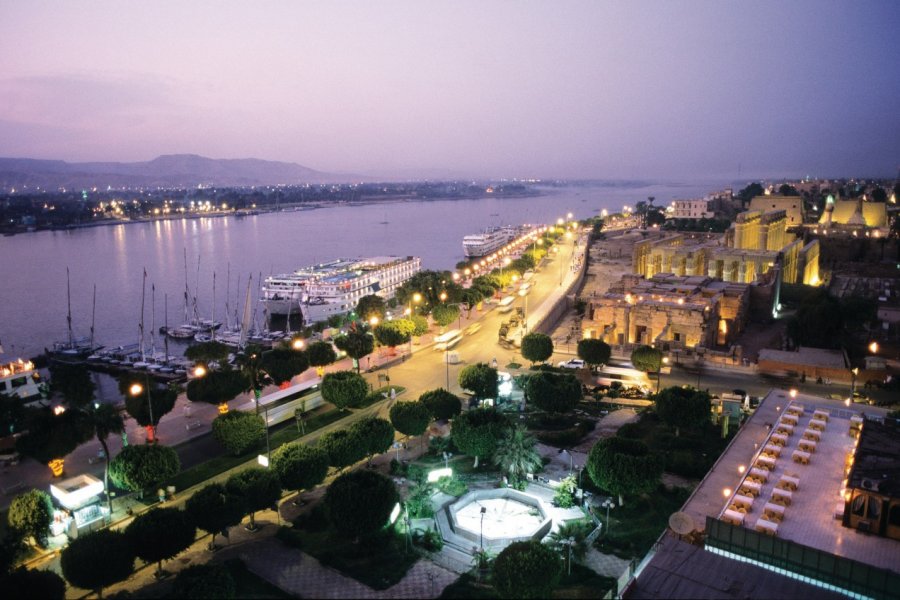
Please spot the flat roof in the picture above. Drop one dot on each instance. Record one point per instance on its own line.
(877, 460)
(811, 357)
(682, 570)
(809, 520)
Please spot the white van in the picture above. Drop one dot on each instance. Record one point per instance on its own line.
(505, 305)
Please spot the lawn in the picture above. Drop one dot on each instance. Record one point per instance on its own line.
(634, 527)
(379, 562)
(210, 468)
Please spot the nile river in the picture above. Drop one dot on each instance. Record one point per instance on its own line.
(33, 282)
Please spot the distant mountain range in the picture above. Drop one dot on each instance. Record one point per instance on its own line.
(173, 170)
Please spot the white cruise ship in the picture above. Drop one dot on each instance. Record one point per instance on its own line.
(334, 288)
(490, 240)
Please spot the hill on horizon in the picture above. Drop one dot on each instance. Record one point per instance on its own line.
(170, 170)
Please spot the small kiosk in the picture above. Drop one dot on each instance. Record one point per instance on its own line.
(79, 498)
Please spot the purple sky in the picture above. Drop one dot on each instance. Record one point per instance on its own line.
(507, 89)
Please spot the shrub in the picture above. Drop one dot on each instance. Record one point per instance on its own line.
(140, 467)
(204, 581)
(442, 404)
(97, 560)
(350, 493)
(344, 389)
(342, 447)
(300, 467)
(239, 432)
(410, 418)
(160, 534)
(553, 392)
(537, 347)
(527, 570)
(31, 514)
(430, 540)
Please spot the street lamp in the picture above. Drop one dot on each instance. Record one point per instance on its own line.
(373, 320)
(483, 510)
(136, 390)
(298, 344)
(854, 372)
(873, 347)
(665, 361)
(608, 504)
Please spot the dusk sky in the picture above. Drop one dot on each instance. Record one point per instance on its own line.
(686, 90)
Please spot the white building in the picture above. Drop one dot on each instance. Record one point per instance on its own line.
(690, 209)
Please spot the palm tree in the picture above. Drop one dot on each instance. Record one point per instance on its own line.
(516, 453)
(570, 539)
(105, 419)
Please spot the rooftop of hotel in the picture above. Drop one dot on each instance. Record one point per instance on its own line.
(877, 461)
(809, 519)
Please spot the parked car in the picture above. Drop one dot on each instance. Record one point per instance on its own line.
(575, 363)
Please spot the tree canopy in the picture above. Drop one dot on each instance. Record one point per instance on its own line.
(553, 392)
(480, 379)
(53, 436)
(299, 466)
(477, 432)
(594, 352)
(410, 418)
(371, 306)
(160, 534)
(375, 435)
(139, 467)
(30, 514)
(356, 344)
(393, 333)
(207, 352)
(683, 407)
(444, 314)
(647, 359)
(623, 467)
(442, 404)
(516, 454)
(239, 432)
(210, 580)
(342, 447)
(344, 389)
(155, 400)
(321, 354)
(360, 502)
(750, 192)
(217, 387)
(429, 284)
(97, 560)
(73, 382)
(420, 325)
(537, 347)
(283, 364)
(258, 489)
(526, 570)
(213, 509)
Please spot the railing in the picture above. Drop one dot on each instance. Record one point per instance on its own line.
(814, 566)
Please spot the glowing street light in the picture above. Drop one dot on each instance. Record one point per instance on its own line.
(873, 347)
(373, 320)
(298, 344)
(199, 371)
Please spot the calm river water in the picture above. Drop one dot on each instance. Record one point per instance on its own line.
(33, 266)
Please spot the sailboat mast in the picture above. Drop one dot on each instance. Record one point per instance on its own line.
(245, 323)
(152, 319)
(166, 325)
(227, 293)
(213, 316)
(186, 292)
(141, 326)
(93, 314)
(69, 314)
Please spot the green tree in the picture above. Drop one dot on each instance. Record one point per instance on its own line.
(570, 540)
(53, 436)
(300, 467)
(30, 514)
(410, 418)
(356, 344)
(344, 389)
(160, 534)
(442, 404)
(444, 314)
(142, 401)
(516, 454)
(257, 488)
(526, 570)
(374, 434)
(97, 560)
(200, 582)
(214, 510)
(647, 359)
(480, 379)
(33, 583)
(788, 190)
(73, 382)
(683, 407)
(420, 325)
(430, 284)
(349, 493)
(282, 364)
(207, 352)
(342, 447)
(371, 306)
(553, 392)
(321, 354)
(138, 468)
(750, 192)
(624, 467)
(239, 432)
(564, 497)
(217, 387)
(537, 347)
(477, 432)
(393, 333)
(594, 352)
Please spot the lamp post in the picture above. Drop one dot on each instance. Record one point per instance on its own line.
(853, 372)
(664, 361)
(447, 365)
(483, 510)
(608, 504)
(136, 390)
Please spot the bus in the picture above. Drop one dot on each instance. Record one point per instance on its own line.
(445, 341)
(627, 376)
(525, 288)
(280, 406)
(505, 305)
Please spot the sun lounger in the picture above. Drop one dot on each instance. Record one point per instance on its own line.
(788, 482)
(733, 517)
(801, 457)
(765, 526)
(783, 497)
(773, 512)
